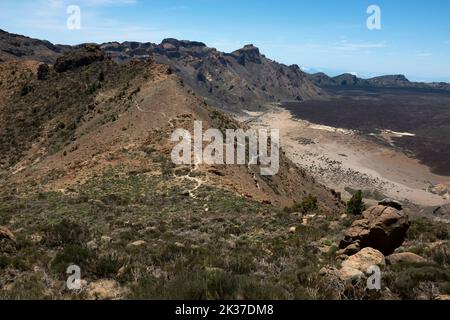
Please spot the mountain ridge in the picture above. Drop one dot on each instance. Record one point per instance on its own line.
(87, 111)
(241, 80)
(386, 81)
(244, 79)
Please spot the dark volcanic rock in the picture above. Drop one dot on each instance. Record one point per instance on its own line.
(43, 71)
(182, 43)
(79, 58)
(238, 81)
(247, 54)
(391, 203)
(242, 80)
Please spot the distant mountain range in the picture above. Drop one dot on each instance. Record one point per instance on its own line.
(388, 81)
(242, 80)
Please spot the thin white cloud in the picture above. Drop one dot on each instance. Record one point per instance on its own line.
(345, 45)
(51, 15)
(424, 54)
(57, 8)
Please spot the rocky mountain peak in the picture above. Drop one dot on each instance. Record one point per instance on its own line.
(181, 43)
(295, 67)
(401, 77)
(249, 53)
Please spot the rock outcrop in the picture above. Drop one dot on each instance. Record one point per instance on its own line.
(356, 266)
(247, 54)
(404, 257)
(5, 233)
(75, 59)
(380, 227)
(391, 203)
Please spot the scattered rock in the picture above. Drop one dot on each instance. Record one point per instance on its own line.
(106, 239)
(213, 270)
(185, 193)
(324, 249)
(334, 225)
(231, 244)
(380, 227)
(354, 268)
(404, 257)
(328, 271)
(350, 274)
(179, 245)
(349, 250)
(364, 259)
(104, 290)
(37, 269)
(391, 203)
(83, 284)
(92, 245)
(138, 243)
(36, 238)
(5, 233)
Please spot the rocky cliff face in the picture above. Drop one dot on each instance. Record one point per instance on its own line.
(242, 80)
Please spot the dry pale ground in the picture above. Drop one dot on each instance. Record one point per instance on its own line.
(343, 159)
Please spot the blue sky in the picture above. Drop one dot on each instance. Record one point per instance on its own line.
(318, 35)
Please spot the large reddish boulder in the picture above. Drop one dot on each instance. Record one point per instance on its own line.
(380, 227)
